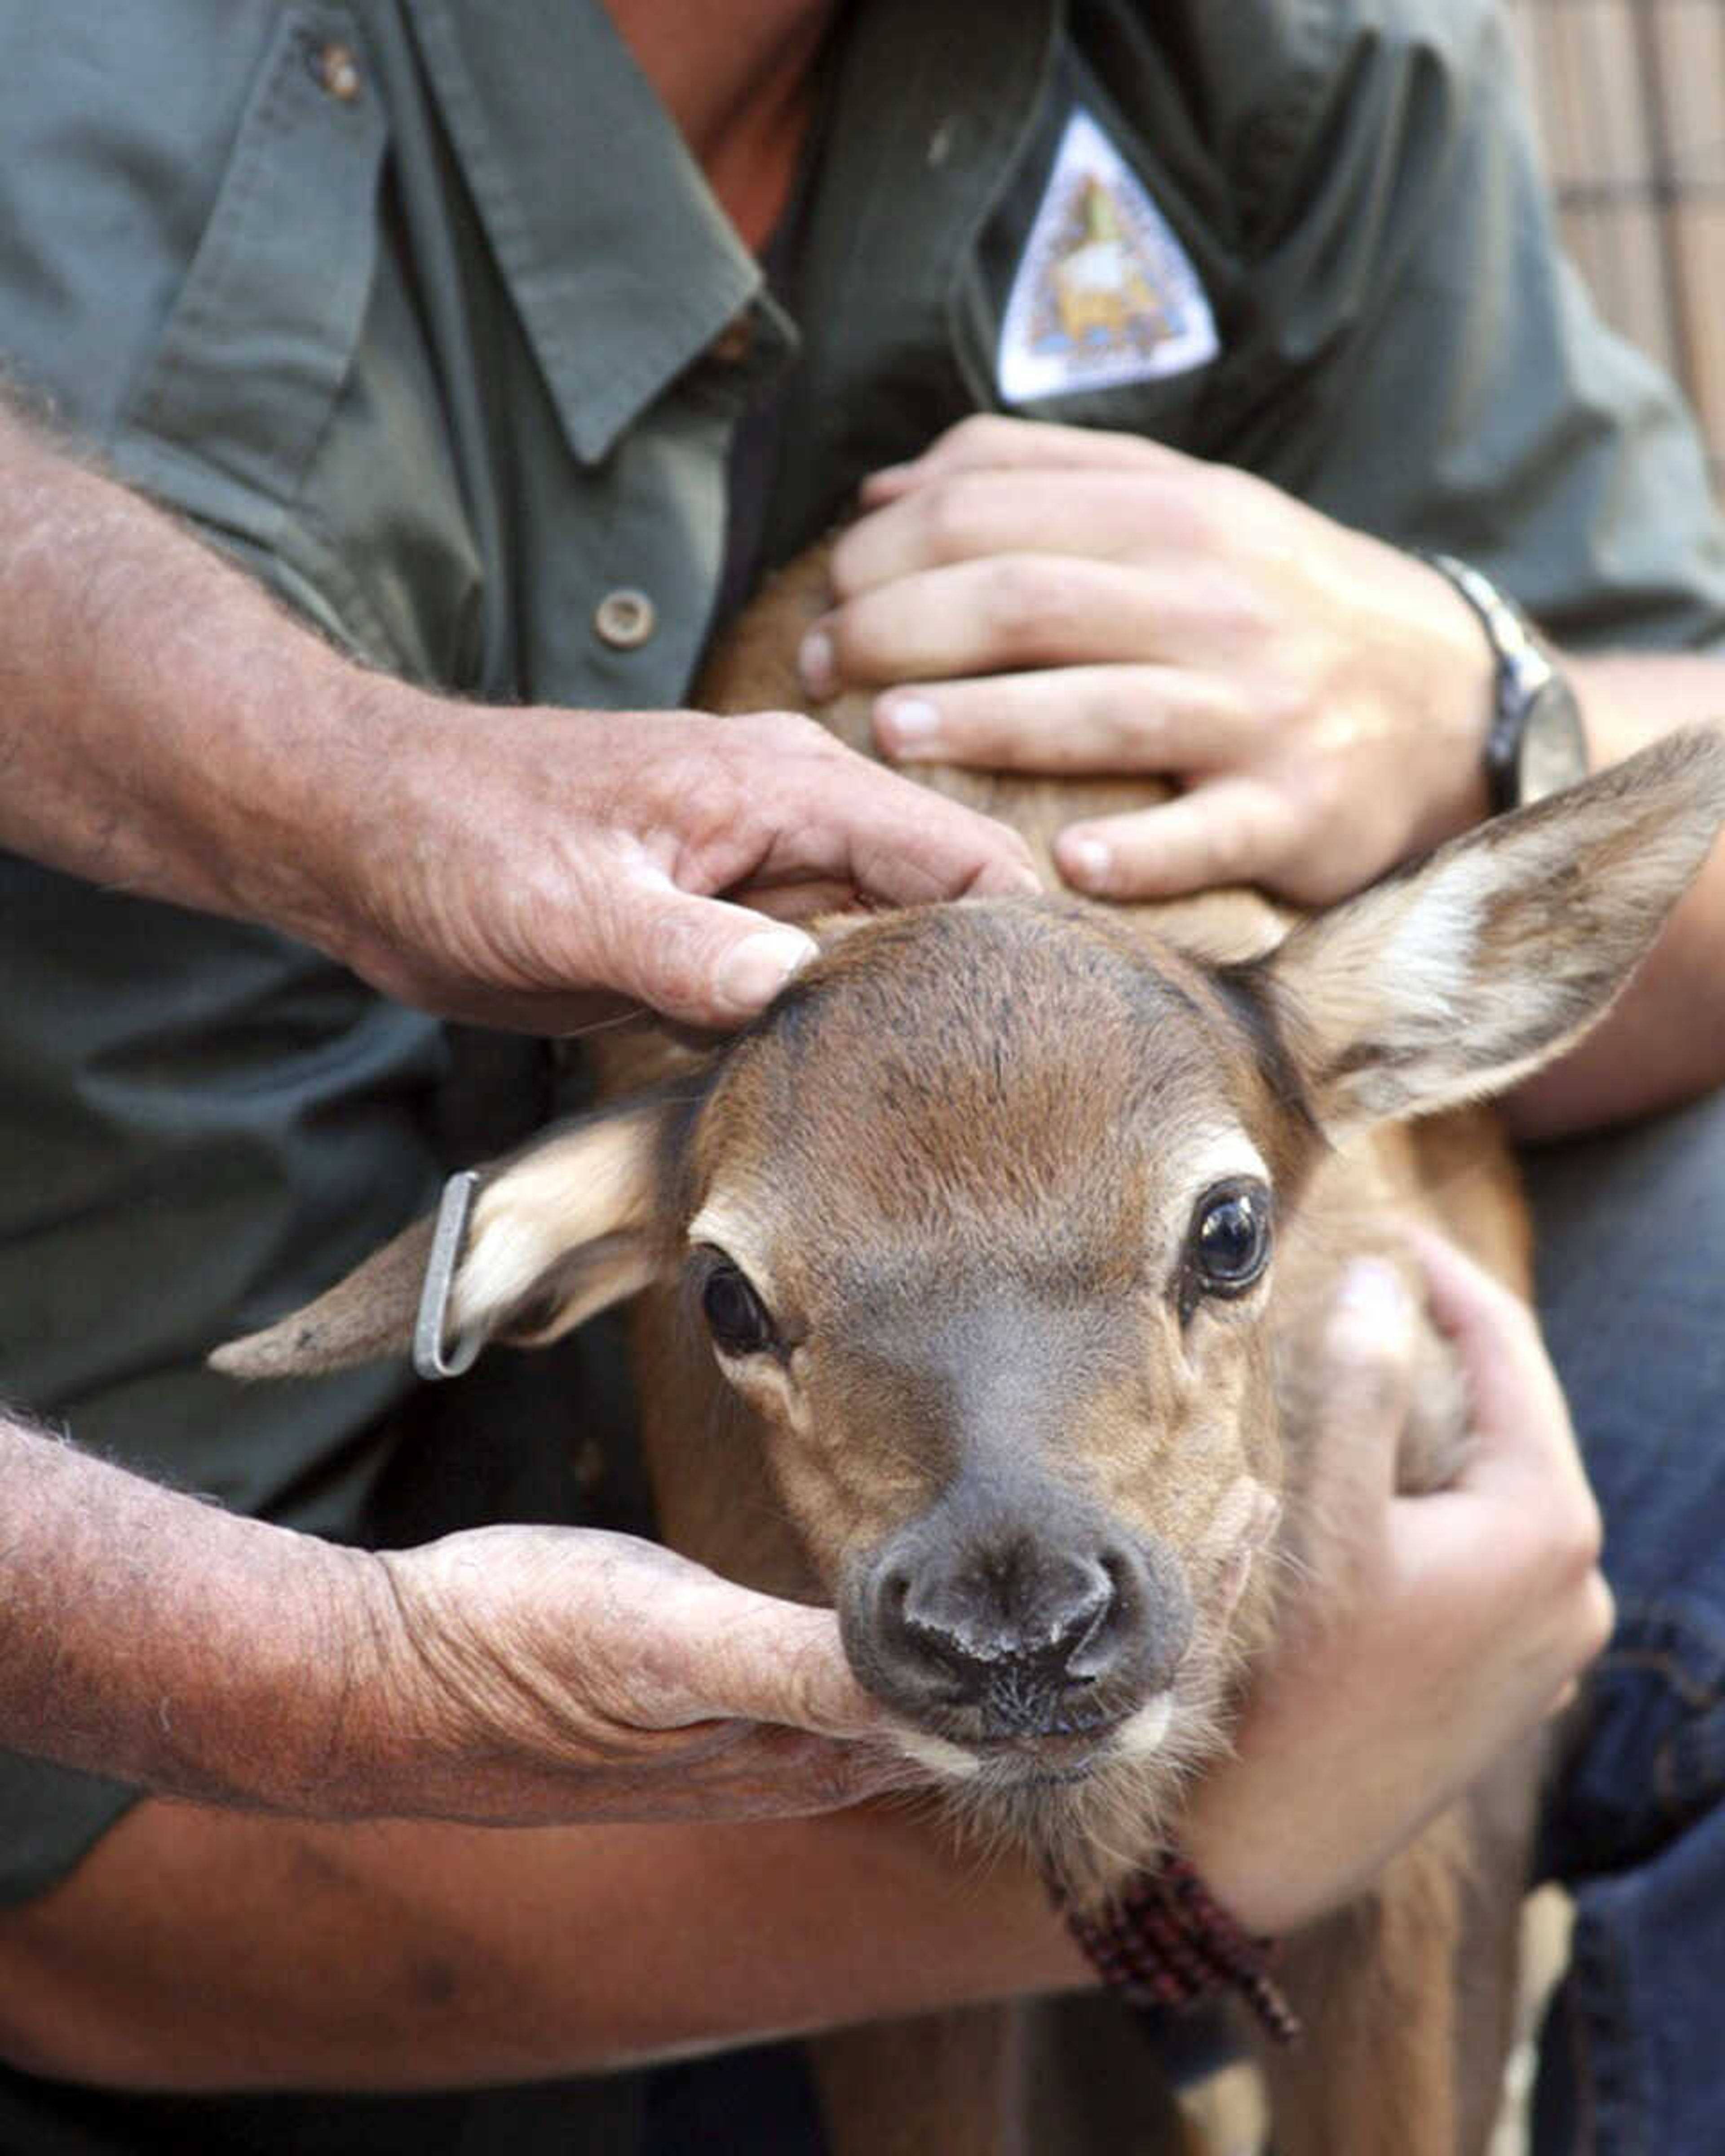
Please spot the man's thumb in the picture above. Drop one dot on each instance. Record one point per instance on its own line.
(707, 964)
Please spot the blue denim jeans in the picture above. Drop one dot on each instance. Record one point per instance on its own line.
(1631, 1231)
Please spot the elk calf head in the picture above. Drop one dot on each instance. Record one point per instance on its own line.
(981, 1221)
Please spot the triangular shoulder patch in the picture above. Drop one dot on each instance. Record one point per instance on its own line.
(1104, 293)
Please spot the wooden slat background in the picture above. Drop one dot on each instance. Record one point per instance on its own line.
(1629, 96)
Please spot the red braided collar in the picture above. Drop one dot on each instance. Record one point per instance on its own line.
(1165, 1940)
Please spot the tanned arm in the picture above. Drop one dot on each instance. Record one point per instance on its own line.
(508, 1674)
(408, 1955)
(401, 1956)
(167, 729)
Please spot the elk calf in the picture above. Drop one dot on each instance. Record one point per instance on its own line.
(995, 1249)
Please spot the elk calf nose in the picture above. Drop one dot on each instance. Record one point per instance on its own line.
(1037, 1635)
(1003, 1638)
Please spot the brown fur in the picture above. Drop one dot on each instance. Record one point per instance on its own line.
(961, 1160)
(1378, 2071)
(1408, 1995)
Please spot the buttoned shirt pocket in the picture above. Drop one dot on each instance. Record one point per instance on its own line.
(227, 413)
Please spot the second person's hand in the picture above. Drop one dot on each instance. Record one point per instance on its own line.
(1452, 1626)
(1055, 599)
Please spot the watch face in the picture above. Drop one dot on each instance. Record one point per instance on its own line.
(1553, 748)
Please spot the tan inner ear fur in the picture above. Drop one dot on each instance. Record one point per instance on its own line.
(566, 1227)
(1470, 971)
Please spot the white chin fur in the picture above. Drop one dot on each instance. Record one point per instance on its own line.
(1142, 1733)
(1137, 1738)
(937, 1756)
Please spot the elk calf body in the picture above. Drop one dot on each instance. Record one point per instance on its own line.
(995, 1249)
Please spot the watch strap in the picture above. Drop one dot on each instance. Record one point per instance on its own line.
(1523, 673)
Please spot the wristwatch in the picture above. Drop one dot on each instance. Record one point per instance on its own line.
(1536, 744)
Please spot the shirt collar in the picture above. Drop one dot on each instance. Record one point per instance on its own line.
(620, 262)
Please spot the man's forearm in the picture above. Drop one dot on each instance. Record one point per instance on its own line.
(166, 728)
(147, 1635)
(1664, 1042)
(406, 1956)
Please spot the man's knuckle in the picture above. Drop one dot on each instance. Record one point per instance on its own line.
(1583, 1534)
(1564, 1543)
(1236, 607)
(1513, 1320)
(1599, 1618)
(1119, 719)
(979, 434)
(955, 516)
(777, 736)
(1222, 851)
(679, 959)
(1322, 798)
(1281, 711)
(796, 734)
(1031, 605)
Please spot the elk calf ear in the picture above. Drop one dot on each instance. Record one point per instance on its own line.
(1464, 974)
(565, 1228)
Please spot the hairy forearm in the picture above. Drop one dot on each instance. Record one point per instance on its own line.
(147, 1635)
(401, 1957)
(1664, 1042)
(166, 728)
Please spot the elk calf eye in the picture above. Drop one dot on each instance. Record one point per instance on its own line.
(1230, 1237)
(735, 1314)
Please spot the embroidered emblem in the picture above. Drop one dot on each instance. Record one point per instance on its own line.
(1103, 292)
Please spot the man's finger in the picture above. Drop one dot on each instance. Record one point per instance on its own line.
(1104, 512)
(991, 440)
(751, 1657)
(1128, 721)
(987, 615)
(908, 846)
(1365, 1388)
(1226, 831)
(825, 815)
(699, 961)
(709, 961)
(1513, 1392)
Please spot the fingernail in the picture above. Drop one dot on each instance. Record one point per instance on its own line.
(908, 725)
(816, 664)
(755, 970)
(1371, 1296)
(1087, 862)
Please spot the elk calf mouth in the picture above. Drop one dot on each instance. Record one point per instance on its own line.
(1029, 1636)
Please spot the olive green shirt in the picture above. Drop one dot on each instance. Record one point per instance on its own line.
(421, 310)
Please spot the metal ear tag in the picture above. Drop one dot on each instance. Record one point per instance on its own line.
(430, 1358)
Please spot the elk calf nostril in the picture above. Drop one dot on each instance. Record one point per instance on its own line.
(1080, 1625)
(1039, 1631)
(1008, 1632)
(1153, 1615)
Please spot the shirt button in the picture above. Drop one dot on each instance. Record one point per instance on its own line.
(625, 619)
(335, 70)
(734, 342)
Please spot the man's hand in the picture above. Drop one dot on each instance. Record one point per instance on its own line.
(1465, 1619)
(558, 1674)
(1322, 698)
(505, 1676)
(168, 729)
(545, 868)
